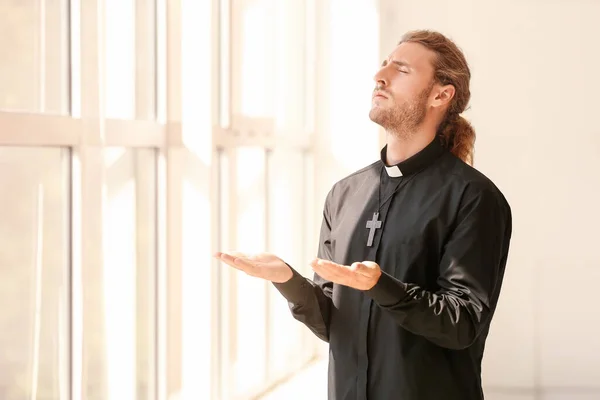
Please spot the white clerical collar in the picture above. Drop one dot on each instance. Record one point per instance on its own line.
(393, 171)
(417, 162)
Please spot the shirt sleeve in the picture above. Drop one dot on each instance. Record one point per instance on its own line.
(310, 301)
(471, 273)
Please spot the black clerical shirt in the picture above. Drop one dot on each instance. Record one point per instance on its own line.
(419, 333)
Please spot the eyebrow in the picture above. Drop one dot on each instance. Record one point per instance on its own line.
(399, 63)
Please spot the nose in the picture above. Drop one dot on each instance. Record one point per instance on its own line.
(380, 79)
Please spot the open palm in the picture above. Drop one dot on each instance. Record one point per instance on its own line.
(263, 265)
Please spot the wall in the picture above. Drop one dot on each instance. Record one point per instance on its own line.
(534, 95)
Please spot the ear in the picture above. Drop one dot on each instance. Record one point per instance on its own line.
(443, 95)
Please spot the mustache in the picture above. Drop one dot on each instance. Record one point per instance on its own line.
(379, 90)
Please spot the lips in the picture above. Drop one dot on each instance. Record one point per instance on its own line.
(379, 95)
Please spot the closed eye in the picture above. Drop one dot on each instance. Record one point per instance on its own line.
(402, 66)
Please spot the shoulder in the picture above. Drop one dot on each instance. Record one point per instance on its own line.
(474, 185)
(354, 181)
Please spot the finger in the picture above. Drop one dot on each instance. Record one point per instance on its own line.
(237, 261)
(341, 275)
(326, 266)
(335, 268)
(344, 272)
(248, 261)
(230, 261)
(230, 256)
(327, 275)
(357, 272)
(329, 264)
(331, 273)
(244, 263)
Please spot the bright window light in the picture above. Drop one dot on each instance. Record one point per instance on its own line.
(354, 35)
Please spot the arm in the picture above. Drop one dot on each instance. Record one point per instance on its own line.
(310, 301)
(471, 272)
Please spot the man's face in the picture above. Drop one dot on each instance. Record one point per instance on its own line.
(403, 87)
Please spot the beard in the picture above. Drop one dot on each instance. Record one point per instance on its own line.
(404, 119)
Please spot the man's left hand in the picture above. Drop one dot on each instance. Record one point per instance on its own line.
(360, 275)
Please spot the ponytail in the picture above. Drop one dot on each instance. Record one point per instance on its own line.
(458, 136)
(450, 68)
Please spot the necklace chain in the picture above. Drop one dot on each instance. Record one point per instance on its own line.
(375, 223)
(400, 184)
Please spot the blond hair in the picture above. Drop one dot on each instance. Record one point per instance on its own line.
(450, 68)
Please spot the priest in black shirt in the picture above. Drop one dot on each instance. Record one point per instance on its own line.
(412, 248)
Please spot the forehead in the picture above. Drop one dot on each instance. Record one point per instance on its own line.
(419, 57)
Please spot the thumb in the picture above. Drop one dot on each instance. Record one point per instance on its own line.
(370, 264)
(364, 268)
(357, 266)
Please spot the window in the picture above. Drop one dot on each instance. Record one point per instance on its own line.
(158, 151)
(34, 73)
(266, 197)
(129, 274)
(130, 59)
(120, 62)
(35, 316)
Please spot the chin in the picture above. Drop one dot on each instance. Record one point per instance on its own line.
(377, 115)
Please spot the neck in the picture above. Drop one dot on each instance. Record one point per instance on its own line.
(400, 148)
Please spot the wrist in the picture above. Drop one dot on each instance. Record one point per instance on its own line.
(286, 274)
(375, 280)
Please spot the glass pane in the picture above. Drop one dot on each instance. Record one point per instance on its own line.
(226, 294)
(129, 281)
(255, 58)
(250, 295)
(146, 60)
(287, 224)
(352, 132)
(290, 68)
(120, 59)
(34, 289)
(272, 62)
(34, 68)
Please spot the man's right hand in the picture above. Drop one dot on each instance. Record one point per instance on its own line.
(264, 265)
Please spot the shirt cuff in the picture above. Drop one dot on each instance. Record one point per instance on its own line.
(388, 290)
(294, 290)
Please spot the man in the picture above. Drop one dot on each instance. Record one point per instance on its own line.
(413, 247)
